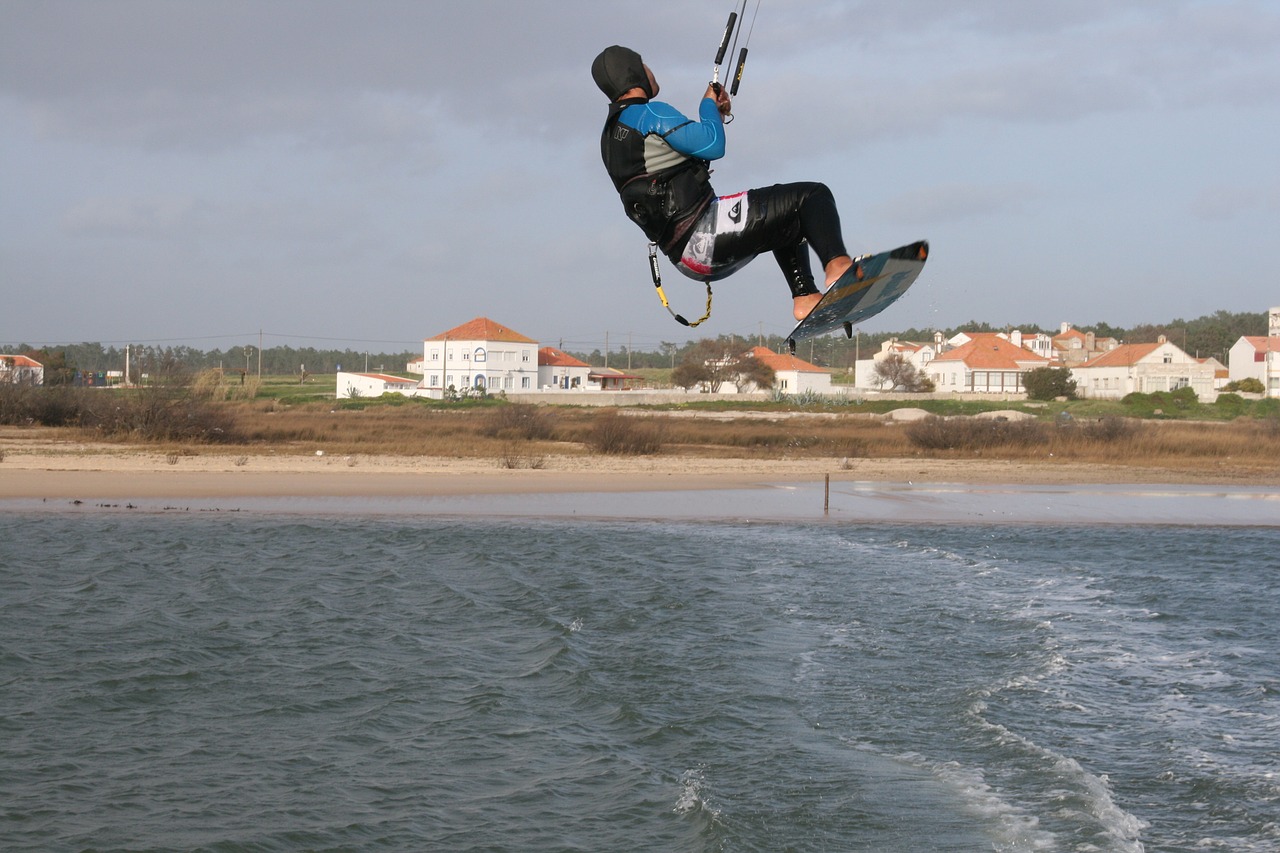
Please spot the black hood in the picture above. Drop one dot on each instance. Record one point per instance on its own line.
(619, 69)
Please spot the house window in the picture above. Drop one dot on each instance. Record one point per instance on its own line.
(435, 380)
(782, 384)
(524, 381)
(466, 356)
(480, 355)
(524, 355)
(1168, 358)
(435, 355)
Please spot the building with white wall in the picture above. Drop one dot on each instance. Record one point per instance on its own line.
(557, 370)
(793, 375)
(481, 355)
(21, 370)
(987, 363)
(1144, 369)
(354, 385)
(1258, 356)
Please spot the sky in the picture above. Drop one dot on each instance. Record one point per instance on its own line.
(368, 174)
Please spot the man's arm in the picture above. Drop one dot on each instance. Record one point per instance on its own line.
(703, 139)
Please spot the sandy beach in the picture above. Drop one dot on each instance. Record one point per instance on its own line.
(74, 470)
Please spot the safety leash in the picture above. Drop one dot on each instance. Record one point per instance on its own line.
(657, 283)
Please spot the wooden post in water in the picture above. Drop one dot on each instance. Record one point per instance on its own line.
(826, 497)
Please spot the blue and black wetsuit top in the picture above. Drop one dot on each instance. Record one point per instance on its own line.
(658, 159)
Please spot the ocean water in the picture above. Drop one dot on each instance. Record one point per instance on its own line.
(311, 681)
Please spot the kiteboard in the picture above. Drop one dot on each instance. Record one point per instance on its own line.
(871, 285)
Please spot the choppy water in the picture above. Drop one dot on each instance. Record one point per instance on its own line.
(273, 682)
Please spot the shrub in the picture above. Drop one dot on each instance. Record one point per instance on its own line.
(1109, 429)
(1250, 385)
(519, 421)
(1048, 383)
(936, 433)
(621, 435)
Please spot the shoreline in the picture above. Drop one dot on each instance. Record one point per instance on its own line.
(96, 472)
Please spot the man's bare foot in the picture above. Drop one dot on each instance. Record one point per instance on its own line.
(803, 305)
(836, 268)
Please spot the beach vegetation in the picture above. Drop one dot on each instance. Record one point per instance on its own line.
(617, 434)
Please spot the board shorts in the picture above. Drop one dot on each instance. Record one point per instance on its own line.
(784, 219)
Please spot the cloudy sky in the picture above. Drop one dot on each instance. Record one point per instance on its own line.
(367, 174)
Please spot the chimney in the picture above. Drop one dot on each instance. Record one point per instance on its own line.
(1090, 341)
(1066, 327)
(1015, 337)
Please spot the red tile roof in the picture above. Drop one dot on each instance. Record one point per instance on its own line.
(399, 380)
(1261, 343)
(483, 329)
(989, 351)
(20, 361)
(1125, 355)
(552, 357)
(784, 362)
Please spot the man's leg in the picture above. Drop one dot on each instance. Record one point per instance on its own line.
(780, 219)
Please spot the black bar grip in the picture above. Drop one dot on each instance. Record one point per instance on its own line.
(728, 34)
(737, 75)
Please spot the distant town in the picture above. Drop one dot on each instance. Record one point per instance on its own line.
(486, 356)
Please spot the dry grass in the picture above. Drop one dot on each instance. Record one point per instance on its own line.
(1246, 444)
(525, 436)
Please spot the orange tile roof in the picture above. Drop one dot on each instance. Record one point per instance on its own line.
(1262, 343)
(20, 361)
(552, 357)
(784, 362)
(1125, 355)
(483, 329)
(989, 351)
(399, 380)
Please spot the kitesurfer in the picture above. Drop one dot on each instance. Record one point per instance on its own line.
(659, 162)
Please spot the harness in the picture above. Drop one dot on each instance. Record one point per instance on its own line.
(665, 204)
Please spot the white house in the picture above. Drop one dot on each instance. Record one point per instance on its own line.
(557, 370)
(374, 385)
(479, 354)
(1142, 368)
(1258, 357)
(21, 370)
(794, 375)
(987, 363)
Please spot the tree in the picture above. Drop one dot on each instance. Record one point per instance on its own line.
(900, 375)
(687, 375)
(1048, 383)
(58, 368)
(753, 371)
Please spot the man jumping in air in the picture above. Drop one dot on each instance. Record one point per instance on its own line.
(658, 160)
